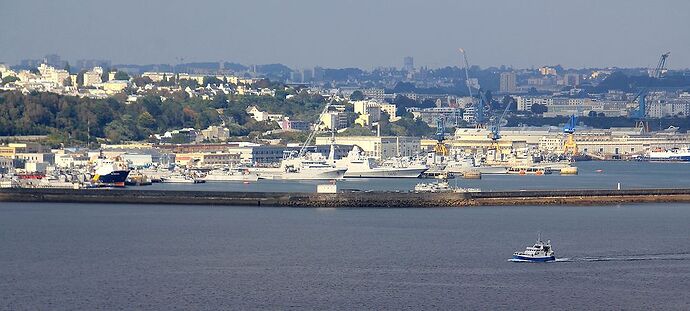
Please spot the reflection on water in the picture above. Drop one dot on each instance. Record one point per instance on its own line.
(592, 175)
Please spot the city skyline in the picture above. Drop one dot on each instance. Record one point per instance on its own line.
(351, 33)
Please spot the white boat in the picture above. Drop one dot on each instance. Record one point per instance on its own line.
(491, 170)
(671, 155)
(540, 252)
(360, 166)
(432, 187)
(237, 174)
(308, 167)
(529, 170)
(181, 179)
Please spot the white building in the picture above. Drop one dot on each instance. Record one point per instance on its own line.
(93, 76)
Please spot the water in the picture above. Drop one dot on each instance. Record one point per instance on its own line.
(78, 256)
(629, 174)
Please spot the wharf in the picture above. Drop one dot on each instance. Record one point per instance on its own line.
(349, 199)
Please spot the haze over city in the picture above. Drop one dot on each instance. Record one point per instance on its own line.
(364, 34)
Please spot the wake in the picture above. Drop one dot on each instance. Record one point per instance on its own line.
(643, 257)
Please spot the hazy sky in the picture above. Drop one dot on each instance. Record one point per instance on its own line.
(357, 33)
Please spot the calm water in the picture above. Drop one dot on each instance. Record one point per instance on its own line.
(72, 256)
(629, 174)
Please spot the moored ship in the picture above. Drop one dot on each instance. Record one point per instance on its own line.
(671, 155)
(360, 166)
(110, 173)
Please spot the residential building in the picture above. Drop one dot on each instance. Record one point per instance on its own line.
(216, 133)
(391, 110)
(93, 76)
(408, 63)
(508, 82)
(334, 120)
(369, 112)
(293, 125)
(260, 116)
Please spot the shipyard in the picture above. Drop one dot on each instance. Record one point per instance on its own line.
(344, 155)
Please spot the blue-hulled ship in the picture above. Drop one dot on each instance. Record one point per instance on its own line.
(540, 252)
(110, 173)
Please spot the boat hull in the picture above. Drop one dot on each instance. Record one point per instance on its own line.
(312, 174)
(386, 173)
(221, 178)
(114, 178)
(534, 259)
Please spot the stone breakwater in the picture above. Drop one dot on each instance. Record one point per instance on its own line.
(349, 199)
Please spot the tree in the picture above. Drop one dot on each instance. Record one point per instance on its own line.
(9, 79)
(212, 81)
(121, 75)
(141, 81)
(80, 77)
(146, 120)
(67, 81)
(539, 109)
(357, 95)
(106, 75)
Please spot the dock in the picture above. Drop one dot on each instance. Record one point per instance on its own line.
(349, 199)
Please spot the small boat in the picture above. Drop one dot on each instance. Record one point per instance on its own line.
(182, 179)
(432, 187)
(540, 252)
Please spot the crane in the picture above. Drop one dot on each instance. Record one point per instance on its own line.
(495, 134)
(467, 74)
(303, 149)
(569, 145)
(640, 114)
(440, 147)
(479, 110)
(479, 116)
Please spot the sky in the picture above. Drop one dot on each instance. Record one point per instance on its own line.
(351, 33)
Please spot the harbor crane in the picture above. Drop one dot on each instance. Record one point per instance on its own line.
(303, 149)
(480, 110)
(467, 74)
(495, 134)
(479, 115)
(640, 113)
(440, 148)
(569, 144)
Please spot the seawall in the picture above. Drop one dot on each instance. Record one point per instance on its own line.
(349, 199)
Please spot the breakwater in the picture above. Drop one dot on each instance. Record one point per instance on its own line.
(348, 199)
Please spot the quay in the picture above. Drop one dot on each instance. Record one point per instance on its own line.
(349, 199)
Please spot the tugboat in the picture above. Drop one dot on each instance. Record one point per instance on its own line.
(540, 252)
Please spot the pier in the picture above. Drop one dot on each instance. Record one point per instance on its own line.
(349, 199)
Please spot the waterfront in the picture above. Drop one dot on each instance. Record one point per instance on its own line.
(77, 256)
(631, 175)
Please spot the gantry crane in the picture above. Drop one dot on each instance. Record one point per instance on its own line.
(569, 144)
(640, 113)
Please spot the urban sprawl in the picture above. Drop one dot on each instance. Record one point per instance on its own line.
(82, 124)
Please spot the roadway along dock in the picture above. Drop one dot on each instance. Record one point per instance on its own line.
(349, 199)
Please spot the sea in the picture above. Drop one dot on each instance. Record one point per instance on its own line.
(167, 257)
